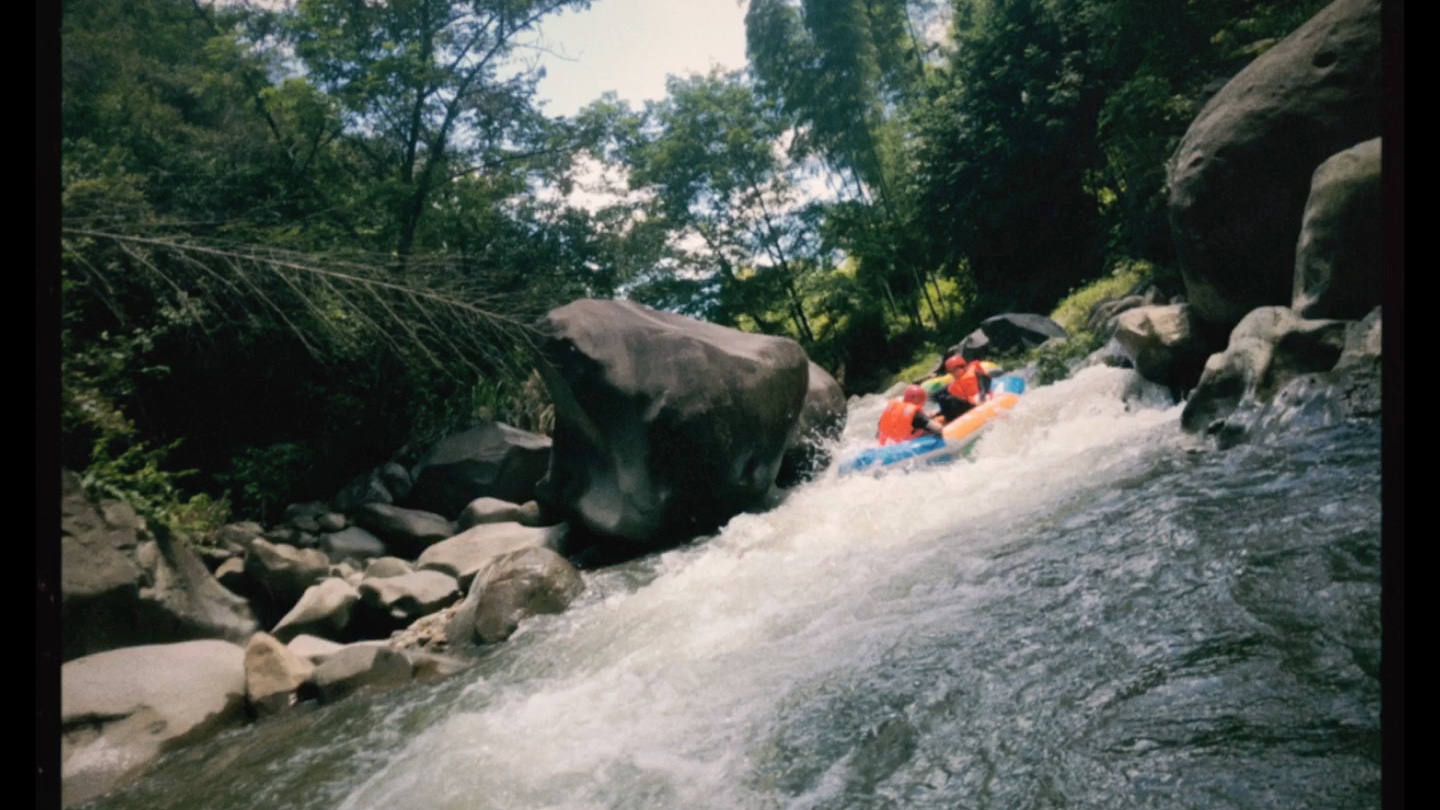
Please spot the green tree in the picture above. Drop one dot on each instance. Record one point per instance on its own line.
(431, 92)
(1044, 158)
(852, 74)
(713, 159)
(220, 309)
(1009, 152)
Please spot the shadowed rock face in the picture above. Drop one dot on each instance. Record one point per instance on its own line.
(119, 588)
(821, 422)
(1003, 333)
(491, 460)
(1241, 175)
(665, 426)
(1283, 373)
(1268, 349)
(1338, 272)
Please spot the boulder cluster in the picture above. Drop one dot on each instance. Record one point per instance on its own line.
(1275, 202)
(666, 427)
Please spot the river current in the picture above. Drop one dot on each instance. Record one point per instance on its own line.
(1093, 611)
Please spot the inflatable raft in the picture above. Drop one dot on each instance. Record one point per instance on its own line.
(959, 436)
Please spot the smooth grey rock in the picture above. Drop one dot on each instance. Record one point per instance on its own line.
(463, 555)
(273, 674)
(324, 610)
(120, 710)
(358, 666)
(1339, 269)
(352, 543)
(512, 588)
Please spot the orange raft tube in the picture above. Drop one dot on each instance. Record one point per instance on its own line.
(963, 430)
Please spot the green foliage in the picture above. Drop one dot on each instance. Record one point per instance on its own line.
(260, 478)
(523, 404)
(1073, 311)
(99, 378)
(1043, 157)
(136, 475)
(218, 278)
(853, 77)
(925, 361)
(709, 157)
(428, 91)
(1055, 361)
(1007, 150)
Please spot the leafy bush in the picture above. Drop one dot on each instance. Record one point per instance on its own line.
(263, 476)
(135, 476)
(1074, 310)
(925, 361)
(97, 376)
(1055, 360)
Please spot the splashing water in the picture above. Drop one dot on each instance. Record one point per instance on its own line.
(1094, 611)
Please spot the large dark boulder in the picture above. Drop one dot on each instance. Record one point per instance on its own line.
(665, 426)
(490, 460)
(122, 585)
(1339, 271)
(821, 422)
(1001, 334)
(1239, 180)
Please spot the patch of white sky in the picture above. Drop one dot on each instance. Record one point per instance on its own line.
(631, 48)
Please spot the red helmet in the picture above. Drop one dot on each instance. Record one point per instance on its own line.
(915, 394)
(954, 362)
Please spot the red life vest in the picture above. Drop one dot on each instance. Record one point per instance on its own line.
(897, 423)
(967, 383)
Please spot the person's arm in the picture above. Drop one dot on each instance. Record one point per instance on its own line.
(923, 421)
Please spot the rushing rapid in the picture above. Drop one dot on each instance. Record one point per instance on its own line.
(1093, 611)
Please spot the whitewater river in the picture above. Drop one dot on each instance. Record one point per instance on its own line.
(1093, 612)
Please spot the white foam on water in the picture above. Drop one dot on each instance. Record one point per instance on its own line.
(657, 697)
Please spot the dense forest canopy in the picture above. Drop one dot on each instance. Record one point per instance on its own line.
(299, 239)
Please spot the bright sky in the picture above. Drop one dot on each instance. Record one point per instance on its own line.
(630, 46)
